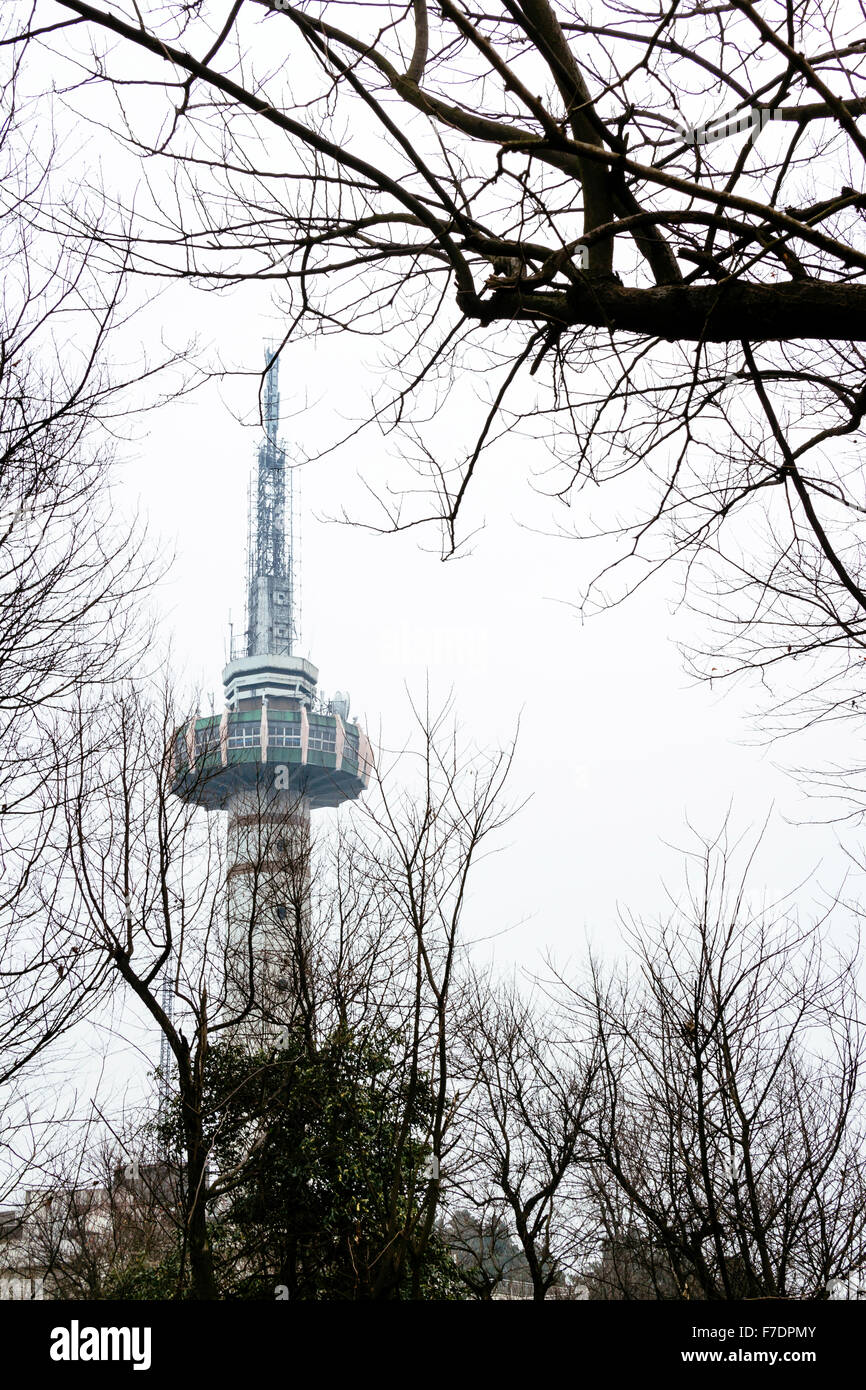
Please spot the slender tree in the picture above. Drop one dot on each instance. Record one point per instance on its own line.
(725, 1155)
(74, 576)
(353, 952)
(532, 1094)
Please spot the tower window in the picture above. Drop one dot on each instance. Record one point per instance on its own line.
(285, 736)
(244, 733)
(282, 912)
(207, 740)
(323, 740)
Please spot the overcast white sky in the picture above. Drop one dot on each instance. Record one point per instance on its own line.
(618, 749)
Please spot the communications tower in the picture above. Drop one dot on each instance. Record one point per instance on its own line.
(279, 750)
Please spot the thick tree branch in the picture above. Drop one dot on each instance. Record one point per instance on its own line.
(723, 313)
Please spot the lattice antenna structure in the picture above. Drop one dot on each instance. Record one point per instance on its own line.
(270, 588)
(295, 515)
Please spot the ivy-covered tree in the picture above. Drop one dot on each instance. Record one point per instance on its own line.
(306, 1144)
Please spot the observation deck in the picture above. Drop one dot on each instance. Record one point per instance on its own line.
(276, 735)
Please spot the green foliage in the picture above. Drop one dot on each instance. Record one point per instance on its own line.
(318, 1147)
(141, 1280)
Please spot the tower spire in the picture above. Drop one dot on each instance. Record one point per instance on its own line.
(271, 629)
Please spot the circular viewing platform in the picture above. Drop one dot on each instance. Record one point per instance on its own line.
(321, 756)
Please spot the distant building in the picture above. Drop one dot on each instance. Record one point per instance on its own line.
(518, 1290)
(66, 1242)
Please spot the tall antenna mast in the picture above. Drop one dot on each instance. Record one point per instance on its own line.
(270, 587)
